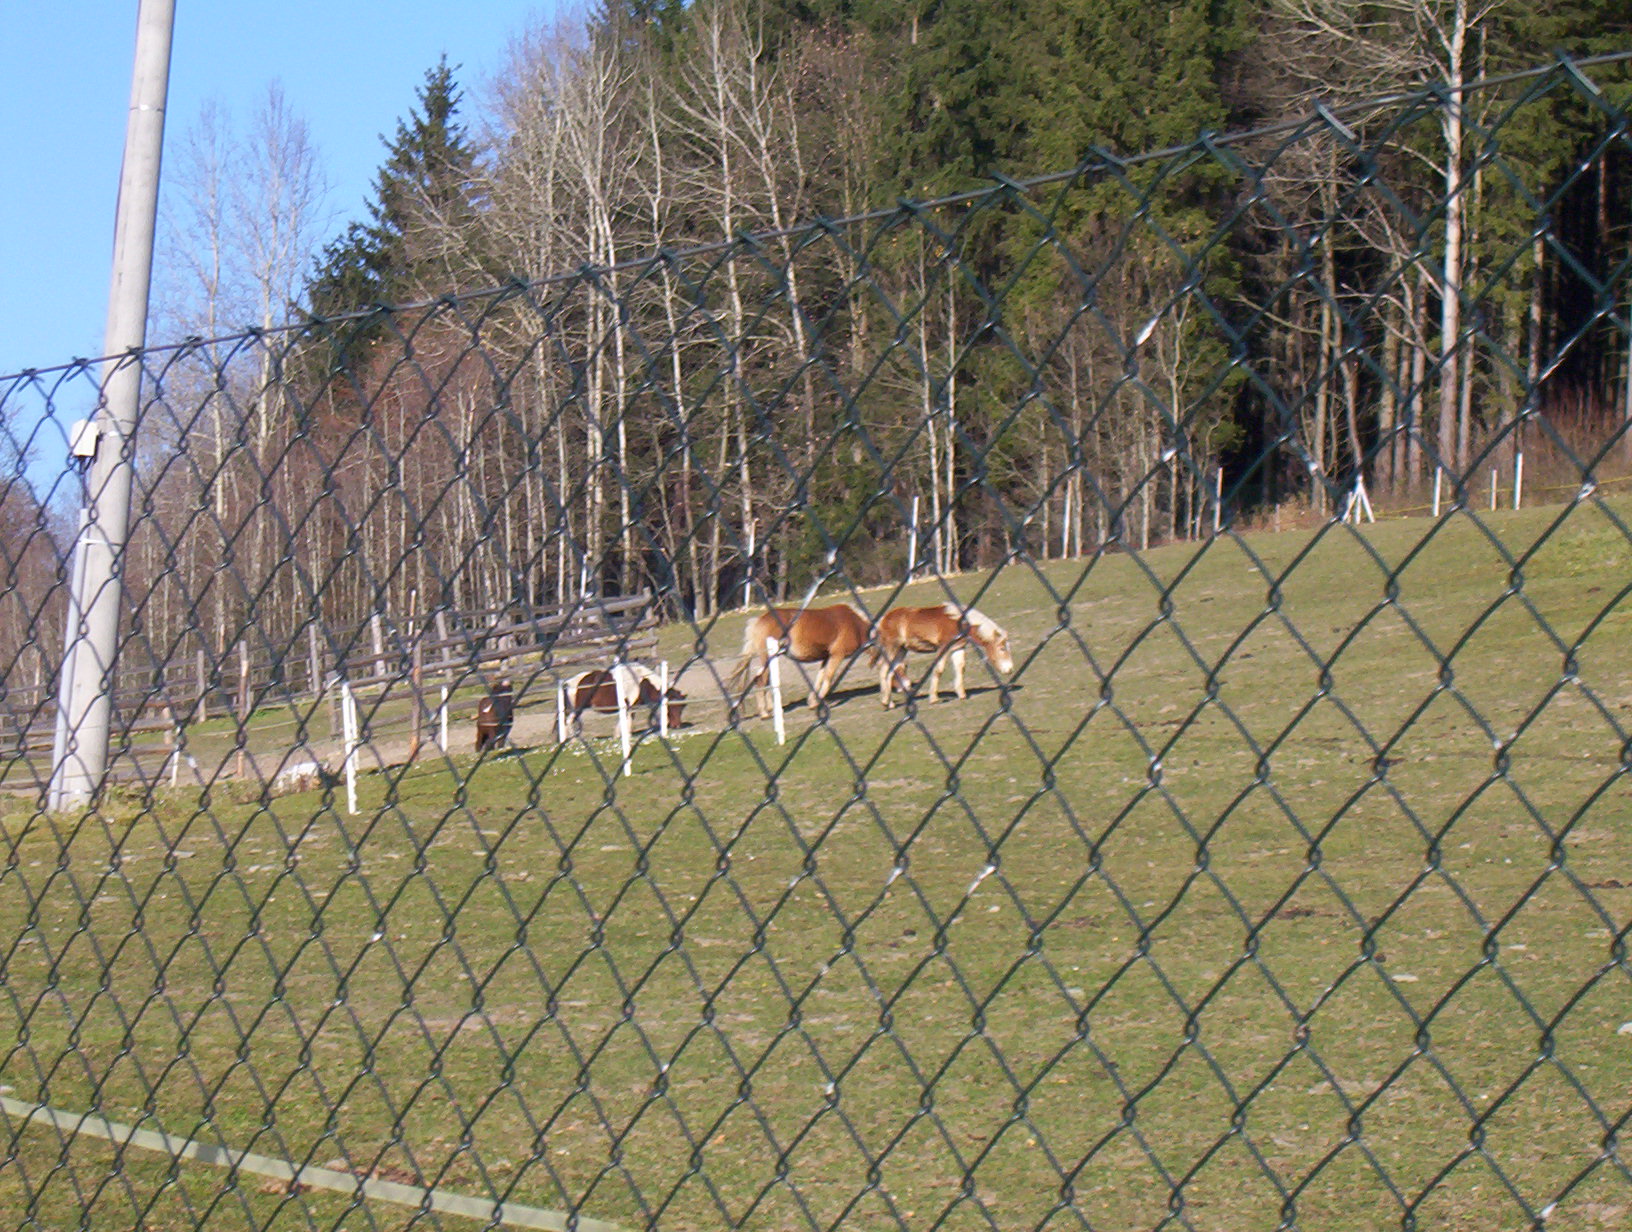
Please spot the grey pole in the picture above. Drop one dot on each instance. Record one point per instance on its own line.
(91, 640)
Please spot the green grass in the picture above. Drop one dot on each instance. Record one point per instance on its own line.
(1270, 888)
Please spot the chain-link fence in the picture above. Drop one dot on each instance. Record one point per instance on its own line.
(1273, 876)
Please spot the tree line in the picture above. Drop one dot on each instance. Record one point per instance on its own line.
(709, 297)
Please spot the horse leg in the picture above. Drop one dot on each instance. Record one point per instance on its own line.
(957, 669)
(824, 682)
(761, 681)
(892, 675)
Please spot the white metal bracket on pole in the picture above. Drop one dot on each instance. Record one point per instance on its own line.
(91, 638)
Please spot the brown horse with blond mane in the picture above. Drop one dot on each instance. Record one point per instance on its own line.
(944, 630)
(831, 636)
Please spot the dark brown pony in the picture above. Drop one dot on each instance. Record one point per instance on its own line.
(944, 630)
(831, 636)
(597, 689)
(494, 716)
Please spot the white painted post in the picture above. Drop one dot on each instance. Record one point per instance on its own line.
(175, 749)
(1518, 477)
(442, 722)
(349, 725)
(912, 543)
(1437, 474)
(773, 666)
(561, 712)
(1493, 489)
(625, 722)
(663, 699)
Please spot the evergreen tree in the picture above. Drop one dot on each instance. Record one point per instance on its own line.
(420, 237)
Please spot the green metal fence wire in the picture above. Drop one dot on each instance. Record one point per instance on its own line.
(1280, 884)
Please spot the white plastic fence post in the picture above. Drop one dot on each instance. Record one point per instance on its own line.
(561, 712)
(912, 543)
(442, 721)
(1518, 477)
(625, 724)
(663, 699)
(773, 666)
(348, 722)
(1437, 474)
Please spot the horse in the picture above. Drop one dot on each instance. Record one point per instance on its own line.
(831, 636)
(494, 716)
(944, 630)
(599, 687)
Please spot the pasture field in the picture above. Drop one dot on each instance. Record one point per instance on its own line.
(1285, 884)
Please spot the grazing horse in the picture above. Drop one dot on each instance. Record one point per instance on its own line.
(494, 716)
(944, 630)
(831, 636)
(598, 689)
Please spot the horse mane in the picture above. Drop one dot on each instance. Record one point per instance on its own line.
(981, 625)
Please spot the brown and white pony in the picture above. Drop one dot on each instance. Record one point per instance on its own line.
(831, 636)
(598, 689)
(944, 630)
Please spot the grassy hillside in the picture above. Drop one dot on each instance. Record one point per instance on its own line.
(1282, 882)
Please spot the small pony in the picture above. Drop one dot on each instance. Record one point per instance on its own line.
(831, 636)
(494, 715)
(944, 630)
(598, 689)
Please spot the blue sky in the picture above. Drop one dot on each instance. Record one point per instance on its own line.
(348, 67)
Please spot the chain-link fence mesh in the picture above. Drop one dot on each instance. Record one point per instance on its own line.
(1281, 883)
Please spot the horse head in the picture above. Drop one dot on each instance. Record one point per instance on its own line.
(992, 640)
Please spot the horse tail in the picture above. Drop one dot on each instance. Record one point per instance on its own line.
(751, 653)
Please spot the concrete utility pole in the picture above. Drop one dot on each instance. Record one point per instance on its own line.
(91, 640)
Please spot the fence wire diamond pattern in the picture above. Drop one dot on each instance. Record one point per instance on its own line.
(1277, 885)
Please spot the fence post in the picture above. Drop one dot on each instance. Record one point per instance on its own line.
(1518, 476)
(773, 669)
(442, 722)
(416, 688)
(314, 661)
(620, 672)
(663, 699)
(560, 712)
(912, 543)
(350, 738)
(91, 642)
(243, 703)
